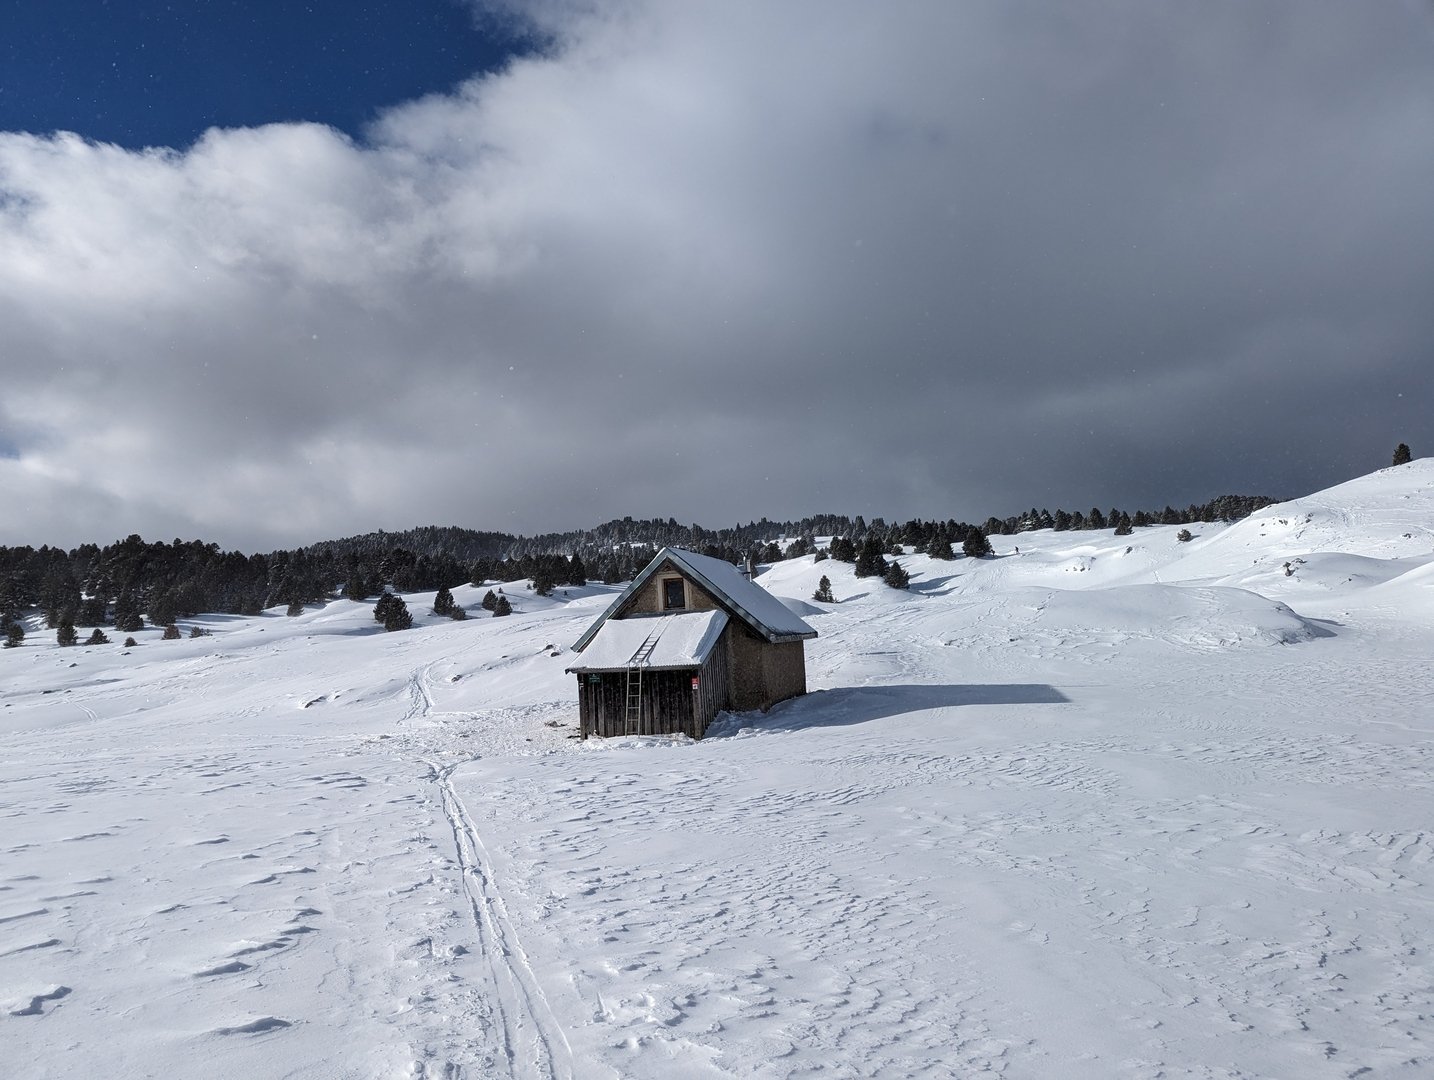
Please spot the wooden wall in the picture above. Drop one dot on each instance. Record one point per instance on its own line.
(670, 706)
(764, 674)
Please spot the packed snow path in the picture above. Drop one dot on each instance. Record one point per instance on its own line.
(1173, 823)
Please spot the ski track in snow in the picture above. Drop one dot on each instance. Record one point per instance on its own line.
(1017, 832)
(533, 1041)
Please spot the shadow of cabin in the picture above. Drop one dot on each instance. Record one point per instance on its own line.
(689, 637)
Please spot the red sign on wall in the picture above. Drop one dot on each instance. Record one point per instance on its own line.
(695, 681)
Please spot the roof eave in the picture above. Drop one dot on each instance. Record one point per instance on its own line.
(646, 667)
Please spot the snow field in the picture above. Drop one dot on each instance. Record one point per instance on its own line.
(1111, 807)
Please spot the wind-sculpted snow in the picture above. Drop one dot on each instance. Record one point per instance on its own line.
(1107, 807)
(1188, 617)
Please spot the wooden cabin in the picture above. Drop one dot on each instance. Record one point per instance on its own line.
(689, 637)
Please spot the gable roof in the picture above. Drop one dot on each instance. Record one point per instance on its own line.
(743, 600)
(676, 641)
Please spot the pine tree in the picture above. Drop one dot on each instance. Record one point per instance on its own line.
(1122, 525)
(162, 608)
(127, 616)
(458, 614)
(870, 562)
(14, 635)
(489, 600)
(59, 595)
(12, 598)
(502, 607)
(171, 633)
(977, 545)
(940, 548)
(397, 616)
(382, 609)
(823, 594)
(443, 602)
(1402, 455)
(65, 632)
(97, 637)
(896, 577)
(843, 550)
(93, 610)
(356, 587)
(577, 572)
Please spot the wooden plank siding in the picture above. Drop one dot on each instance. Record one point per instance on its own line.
(670, 704)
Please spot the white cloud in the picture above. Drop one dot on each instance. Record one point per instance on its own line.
(693, 245)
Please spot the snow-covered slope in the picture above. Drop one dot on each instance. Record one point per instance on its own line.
(1103, 807)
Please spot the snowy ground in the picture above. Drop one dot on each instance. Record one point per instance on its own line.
(1109, 807)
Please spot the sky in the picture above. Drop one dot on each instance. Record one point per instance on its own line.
(275, 273)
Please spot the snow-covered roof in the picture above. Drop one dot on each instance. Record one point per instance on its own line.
(731, 584)
(678, 641)
(743, 599)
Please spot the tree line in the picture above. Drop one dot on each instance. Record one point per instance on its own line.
(132, 581)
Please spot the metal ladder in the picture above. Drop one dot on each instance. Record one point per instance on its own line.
(633, 719)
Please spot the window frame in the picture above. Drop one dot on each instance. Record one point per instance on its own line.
(667, 594)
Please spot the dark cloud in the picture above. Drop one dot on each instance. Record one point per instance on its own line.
(717, 262)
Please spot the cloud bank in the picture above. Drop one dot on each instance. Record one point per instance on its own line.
(719, 261)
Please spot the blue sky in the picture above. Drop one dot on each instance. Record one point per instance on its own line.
(147, 73)
(533, 264)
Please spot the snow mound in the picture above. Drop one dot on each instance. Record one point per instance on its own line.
(1201, 617)
(800, 608)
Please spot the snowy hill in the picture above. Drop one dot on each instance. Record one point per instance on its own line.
(1100, 807)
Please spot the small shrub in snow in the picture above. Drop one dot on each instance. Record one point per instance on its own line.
(458, 614)
(171, 633)
(502, 607)
(198, 631)
(130, 643)
(97, 637)
(823, 594)
(1184, 536)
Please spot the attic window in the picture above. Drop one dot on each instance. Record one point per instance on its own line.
(674, 596)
